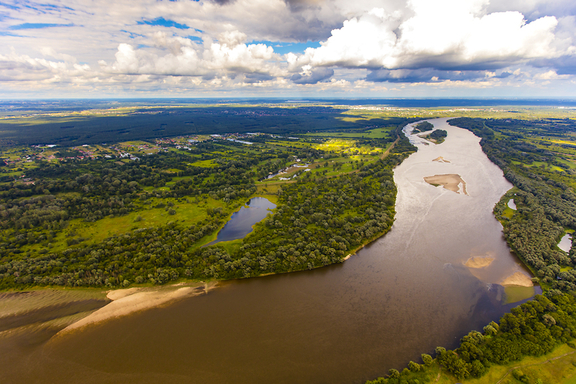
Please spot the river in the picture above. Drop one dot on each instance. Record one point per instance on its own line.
(401, 296)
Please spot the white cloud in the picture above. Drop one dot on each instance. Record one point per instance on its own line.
(208, 44)
(15, 67)
(182, 57)
(441, 34)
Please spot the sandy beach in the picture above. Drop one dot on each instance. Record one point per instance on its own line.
(452, 182)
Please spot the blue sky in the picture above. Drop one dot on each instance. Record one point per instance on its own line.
(309, 48)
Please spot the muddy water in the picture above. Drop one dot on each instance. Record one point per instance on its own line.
(401, 296)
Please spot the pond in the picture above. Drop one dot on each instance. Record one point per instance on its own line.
(565, 243)
(241, 222)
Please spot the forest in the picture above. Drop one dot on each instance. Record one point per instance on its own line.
(423, 126)
(144, 123)
(51, 231)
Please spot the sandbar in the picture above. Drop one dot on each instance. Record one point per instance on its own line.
(451, 182)
(518, 279)
(440, 159)
(479, 262)
(128, 301)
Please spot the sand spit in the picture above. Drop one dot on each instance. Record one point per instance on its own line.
(440, 159)
(128, 301)
(479, 262)
(518, 279)
(452, 182)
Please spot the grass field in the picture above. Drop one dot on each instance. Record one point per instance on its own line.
(508, 212)
(187, 213)
(377, 133)
(204, 164)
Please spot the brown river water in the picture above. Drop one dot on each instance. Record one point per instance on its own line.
(401, 296)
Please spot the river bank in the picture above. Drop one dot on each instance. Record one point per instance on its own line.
(343, 323)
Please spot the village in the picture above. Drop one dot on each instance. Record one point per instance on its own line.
(15, 161)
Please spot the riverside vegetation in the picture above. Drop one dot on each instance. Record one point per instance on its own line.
(538, 157)
(111, 222)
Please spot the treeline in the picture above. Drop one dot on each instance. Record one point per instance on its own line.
(155, 255)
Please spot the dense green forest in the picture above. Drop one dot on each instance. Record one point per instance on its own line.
(423, 126)
(438, 136)
(124, 124)
(344, 201)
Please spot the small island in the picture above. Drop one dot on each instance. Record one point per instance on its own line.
(451, 182)
(437, 137)
(440, 159)
(423, 126)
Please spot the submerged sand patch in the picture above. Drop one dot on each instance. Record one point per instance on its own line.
(479, 262)
(452, 182)
(518, 279)
(440, 159)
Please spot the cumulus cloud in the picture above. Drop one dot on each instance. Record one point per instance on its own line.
(446, 34)
(227, 44)
(14, 67)
(183, 57)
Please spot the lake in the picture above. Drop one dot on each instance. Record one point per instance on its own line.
(401, 296)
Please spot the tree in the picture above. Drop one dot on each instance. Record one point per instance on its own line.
(393, 373)
(427, 359)
(414, 367)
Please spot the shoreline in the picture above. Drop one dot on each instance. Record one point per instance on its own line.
(127, 301)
